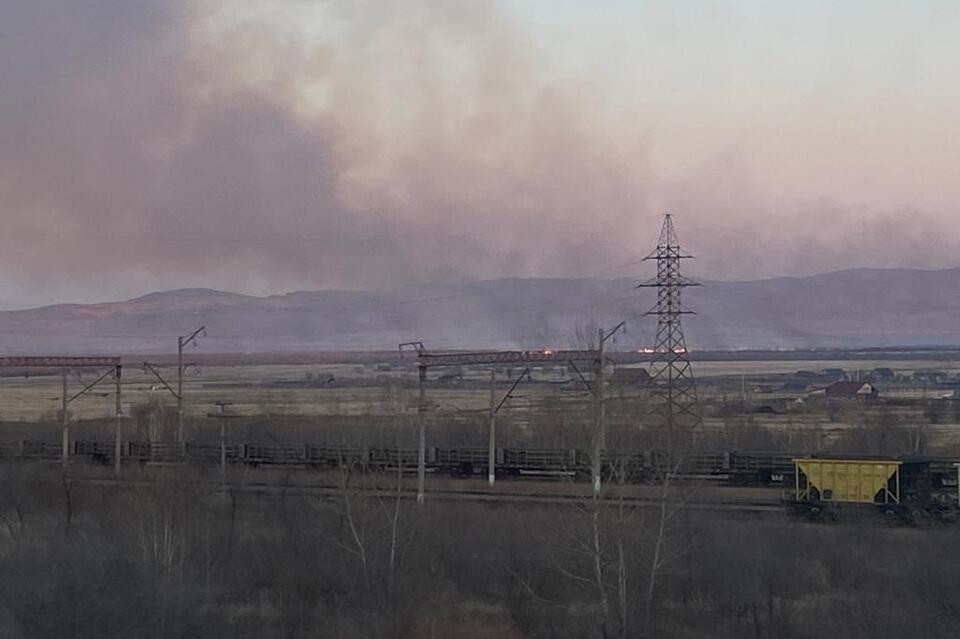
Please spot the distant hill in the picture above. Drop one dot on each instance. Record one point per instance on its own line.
(846, 309)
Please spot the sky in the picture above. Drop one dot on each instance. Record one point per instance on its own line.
(324, 144)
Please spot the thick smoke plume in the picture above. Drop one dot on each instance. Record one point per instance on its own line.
(148, 145)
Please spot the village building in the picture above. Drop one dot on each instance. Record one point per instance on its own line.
(862, 391)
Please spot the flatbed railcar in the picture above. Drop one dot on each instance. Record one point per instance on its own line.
(764, 468)
(634, 466)
(465, 461)
(274, 455)
(628, 466)
(542, 462)
(392, 458)
(155, 452)
(336, 456)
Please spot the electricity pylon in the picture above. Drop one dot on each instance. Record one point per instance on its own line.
(673, 392)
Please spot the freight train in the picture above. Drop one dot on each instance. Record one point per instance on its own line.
(907, 488)
(734, 467)
(633, 466)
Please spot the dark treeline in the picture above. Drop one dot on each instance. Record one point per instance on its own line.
(171, 559)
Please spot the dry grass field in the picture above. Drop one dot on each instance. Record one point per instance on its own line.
(319, 394)
(263, 548)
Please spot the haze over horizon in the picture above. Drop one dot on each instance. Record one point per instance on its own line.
(268, 294)
(365, 145)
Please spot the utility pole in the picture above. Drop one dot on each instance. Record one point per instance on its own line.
(958, 483)
(492, 448)
(421, 417)
(494, 409)
(65, 364)
(182, 341)
(118, 417)
(65, 405)
(600, 426)
(65, 443)
(223, 416)
(422, 435)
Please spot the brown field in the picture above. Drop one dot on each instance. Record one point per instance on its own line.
(324, 392)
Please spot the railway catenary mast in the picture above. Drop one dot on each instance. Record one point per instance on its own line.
(674, 404)
(114, 366)
(182, 342)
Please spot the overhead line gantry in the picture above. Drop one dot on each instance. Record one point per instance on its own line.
(427, 360)
(66, 364)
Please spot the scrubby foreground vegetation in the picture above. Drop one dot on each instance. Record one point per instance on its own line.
(170, 558)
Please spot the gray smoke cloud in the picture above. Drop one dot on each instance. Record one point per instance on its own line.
(149, 145)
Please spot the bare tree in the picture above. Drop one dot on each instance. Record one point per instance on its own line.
(11, 507)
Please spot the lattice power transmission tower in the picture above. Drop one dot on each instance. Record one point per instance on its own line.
(674, 405)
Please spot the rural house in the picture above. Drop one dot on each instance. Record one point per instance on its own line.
(862, 391)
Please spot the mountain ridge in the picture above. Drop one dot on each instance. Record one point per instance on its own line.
(853, 308)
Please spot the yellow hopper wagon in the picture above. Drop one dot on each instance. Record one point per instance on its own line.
(901, 487)
(855, 481)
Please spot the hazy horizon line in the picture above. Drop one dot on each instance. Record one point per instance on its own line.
(465, 282)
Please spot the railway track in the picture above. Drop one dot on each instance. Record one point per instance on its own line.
(749, 501)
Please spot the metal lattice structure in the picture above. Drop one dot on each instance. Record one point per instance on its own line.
(674, 404)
